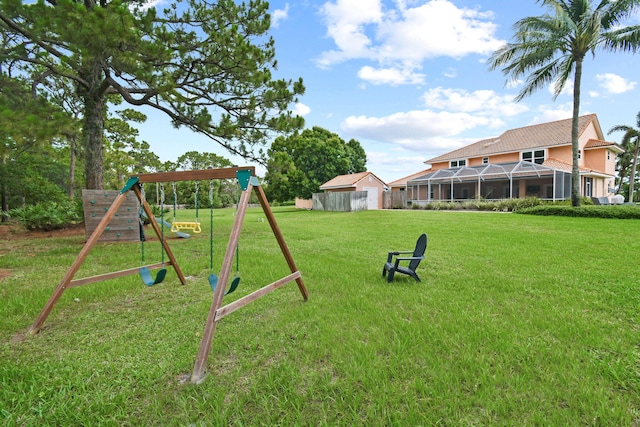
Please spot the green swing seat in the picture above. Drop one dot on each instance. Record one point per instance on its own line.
(213, 281)
(148, 279)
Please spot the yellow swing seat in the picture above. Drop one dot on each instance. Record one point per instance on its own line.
(186, 225)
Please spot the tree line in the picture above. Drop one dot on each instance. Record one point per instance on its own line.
(73, 72)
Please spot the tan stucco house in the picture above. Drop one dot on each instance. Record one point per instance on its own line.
(361, 181)
(528, 161)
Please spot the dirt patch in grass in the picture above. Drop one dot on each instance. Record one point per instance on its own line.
(12, 231)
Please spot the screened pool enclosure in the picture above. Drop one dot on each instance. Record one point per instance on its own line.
(491, 182)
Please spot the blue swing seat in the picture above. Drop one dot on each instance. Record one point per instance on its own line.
(148, 279)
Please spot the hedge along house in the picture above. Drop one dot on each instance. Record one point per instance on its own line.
(361, 181)
(528, 161)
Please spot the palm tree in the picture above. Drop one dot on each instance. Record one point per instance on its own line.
(550, 48)
(631, 144)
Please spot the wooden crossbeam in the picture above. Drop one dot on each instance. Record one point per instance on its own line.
(115, 274)
(193, 175)
(235, 305)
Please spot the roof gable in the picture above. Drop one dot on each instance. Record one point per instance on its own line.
(348, 180)
(542, 135)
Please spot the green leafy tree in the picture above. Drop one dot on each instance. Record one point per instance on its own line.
(208, 65)
(124, 154)
(223, 192)
(550, 49)
(299, 164)
(60, 92)
(29, 128)
(627, 162)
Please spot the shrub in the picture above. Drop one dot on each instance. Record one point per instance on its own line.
(607, 211)
(48, 215)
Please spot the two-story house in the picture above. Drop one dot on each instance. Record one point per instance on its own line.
(528, 161)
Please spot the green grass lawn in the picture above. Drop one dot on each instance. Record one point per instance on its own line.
(519, 320)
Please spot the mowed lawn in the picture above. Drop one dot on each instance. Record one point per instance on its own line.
(519, 320)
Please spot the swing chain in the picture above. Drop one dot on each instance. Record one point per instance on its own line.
(175, 200)
(196, 201)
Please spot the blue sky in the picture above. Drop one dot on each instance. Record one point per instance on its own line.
(408, 79)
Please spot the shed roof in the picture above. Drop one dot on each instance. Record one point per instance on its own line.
(348, 180)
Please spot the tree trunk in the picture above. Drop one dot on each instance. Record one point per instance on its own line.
(93, 133)
(632, 176)
(72, 164)
(3, 191)
(575, 170)
(93, 96)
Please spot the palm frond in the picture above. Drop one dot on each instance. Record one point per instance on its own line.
(540, 78)
(625, 39)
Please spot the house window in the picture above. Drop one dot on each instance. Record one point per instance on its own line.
(458, 163)
(536, 156)
(485, 160)
(579, 154)
(608, 155)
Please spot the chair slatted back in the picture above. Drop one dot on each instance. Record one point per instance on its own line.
(421, 247)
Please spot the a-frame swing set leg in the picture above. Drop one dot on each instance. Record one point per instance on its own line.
(217, 311)
(68, 282)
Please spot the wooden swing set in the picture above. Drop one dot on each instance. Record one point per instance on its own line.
(249, 182)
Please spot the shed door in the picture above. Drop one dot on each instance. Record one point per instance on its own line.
(372, 197)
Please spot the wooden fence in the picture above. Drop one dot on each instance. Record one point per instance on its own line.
(344, 201)
(394, 200)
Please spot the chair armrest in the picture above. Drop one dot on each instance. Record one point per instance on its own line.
(410, 258)
(396, 253)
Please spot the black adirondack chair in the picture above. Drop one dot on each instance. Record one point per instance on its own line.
(391, 267)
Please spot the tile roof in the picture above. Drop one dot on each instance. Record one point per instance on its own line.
(566, 167)
(529, 137)
(403, 181)
(349, 180)
(598, 143)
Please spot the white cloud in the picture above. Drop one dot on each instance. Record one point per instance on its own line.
(401, 38)
(147, 5)
(514, 83)
(389, 76)
(346, 21)
(561, 112)
(399, 164)
(615, 84)
(279, 15)
(567, 89)
(421, 130)
(438, 128)
(481, 102)
(301, 110)
(450, 73)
